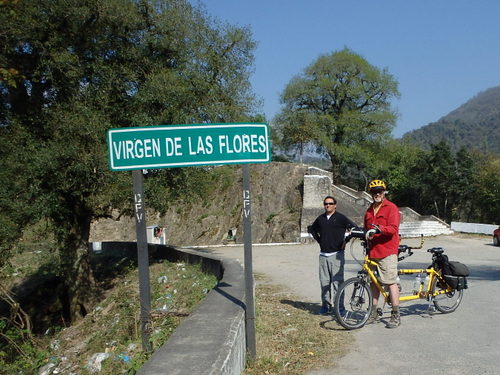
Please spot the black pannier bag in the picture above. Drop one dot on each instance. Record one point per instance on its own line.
(455, 274)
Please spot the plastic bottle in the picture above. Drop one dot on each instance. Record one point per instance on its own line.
(426, 282)
(416, 284)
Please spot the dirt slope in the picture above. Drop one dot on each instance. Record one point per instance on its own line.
(276, 202)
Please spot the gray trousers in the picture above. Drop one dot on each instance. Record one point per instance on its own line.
(331, 274)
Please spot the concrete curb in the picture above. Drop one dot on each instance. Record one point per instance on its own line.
(212, 339)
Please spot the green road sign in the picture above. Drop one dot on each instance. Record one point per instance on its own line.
(187, 145)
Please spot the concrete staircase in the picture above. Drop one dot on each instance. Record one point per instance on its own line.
(423, 227)
(352, 203)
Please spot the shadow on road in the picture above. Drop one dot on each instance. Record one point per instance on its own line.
(421, 309)
(310, 307)
(330, 323)
(484, 273)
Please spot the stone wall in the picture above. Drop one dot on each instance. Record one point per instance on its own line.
(317, 185)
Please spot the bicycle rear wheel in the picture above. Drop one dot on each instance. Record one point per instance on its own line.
(446, 302)
(353, 303)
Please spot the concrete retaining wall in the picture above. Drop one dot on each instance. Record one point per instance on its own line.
(407, 214)
(351, 203)
(212, 339)
(317, 185)
(473, 227)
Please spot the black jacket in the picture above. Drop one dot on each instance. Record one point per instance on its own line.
(330, 233)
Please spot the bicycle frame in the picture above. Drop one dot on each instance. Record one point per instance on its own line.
(421, 294)
(354, 299)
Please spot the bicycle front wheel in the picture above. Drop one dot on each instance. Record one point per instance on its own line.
(445, 302)
(353, 303)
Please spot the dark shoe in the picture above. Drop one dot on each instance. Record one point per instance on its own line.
(395, 320)
(325, 309)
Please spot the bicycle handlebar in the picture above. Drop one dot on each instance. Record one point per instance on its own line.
(406, 248)
(363, 234)
(357, 232)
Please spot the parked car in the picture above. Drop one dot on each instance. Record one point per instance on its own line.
(496, 237)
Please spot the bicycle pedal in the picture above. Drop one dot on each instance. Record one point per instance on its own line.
(379, 311)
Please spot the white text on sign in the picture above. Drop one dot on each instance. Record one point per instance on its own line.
(201, 145)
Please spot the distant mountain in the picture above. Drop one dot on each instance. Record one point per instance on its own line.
(475, 124)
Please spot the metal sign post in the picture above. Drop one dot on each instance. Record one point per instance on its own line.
(173, 146)
(142, 258)
(249, 282)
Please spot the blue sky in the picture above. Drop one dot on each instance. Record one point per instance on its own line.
(442, 52)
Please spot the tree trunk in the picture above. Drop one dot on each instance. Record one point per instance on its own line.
(437, 208)
(80, 292)
(80, 286)
(337, 176)
(445, 209)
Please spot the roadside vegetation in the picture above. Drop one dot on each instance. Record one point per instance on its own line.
(291, 337)
(108, 339)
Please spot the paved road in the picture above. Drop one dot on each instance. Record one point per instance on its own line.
(464, 342)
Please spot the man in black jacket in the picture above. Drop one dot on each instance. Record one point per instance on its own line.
(329, 231)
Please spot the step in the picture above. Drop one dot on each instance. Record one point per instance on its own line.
(426, 228)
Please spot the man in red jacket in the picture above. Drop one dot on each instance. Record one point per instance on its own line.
(383, 216)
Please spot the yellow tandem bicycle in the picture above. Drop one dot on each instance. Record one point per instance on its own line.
(355, 296)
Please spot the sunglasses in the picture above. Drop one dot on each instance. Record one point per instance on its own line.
(329, 204)
(377, 192)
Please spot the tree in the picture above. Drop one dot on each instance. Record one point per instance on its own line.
(390, 161)
(340, 102)
(439, 179)
(486, 197)
(297, 134)
(78, 68)
(465, 185)
(439, 182)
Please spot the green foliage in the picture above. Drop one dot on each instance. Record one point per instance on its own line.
(71, 70)
(486, 197)
(339, 103)
(460, 186)
(280, 158)
(269, 219)
(389, 160)
(437, 177)
(20, 352)
(475, 126)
